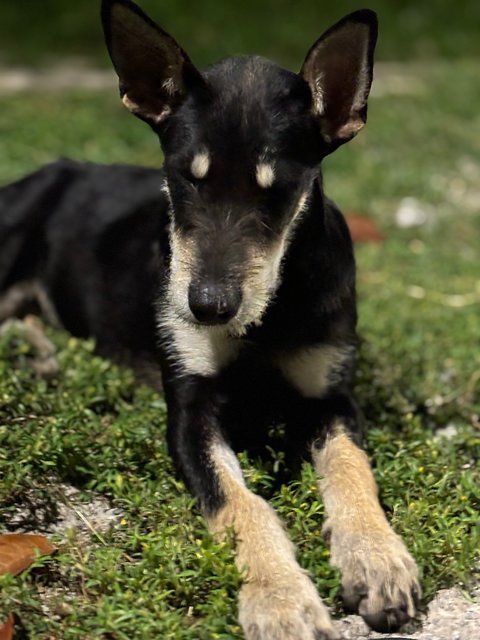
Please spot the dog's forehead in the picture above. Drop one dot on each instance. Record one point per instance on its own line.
(252, 99)
(249, 76)
(253, 113)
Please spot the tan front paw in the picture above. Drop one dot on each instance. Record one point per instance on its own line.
(289, 609)
(379, 577)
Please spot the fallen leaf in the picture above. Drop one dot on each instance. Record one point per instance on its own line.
(363, 229)
(19, 550)
(6, 629)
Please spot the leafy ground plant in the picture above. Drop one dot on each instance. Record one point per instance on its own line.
(157, 572)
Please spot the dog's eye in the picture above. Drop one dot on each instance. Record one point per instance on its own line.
(192, 181)
(188, 179)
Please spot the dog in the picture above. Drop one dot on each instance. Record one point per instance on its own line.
(78, 247)
(239, 276)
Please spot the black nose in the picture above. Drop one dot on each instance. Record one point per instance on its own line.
(211, 304)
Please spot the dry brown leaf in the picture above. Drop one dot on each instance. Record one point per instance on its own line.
(6, 629)
(18, 551)
(363, 229)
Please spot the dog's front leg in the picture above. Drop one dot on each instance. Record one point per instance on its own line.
(379, 576)
(278, 601)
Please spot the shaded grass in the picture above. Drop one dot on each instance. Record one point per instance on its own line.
(33, 32)
(89, 126)
(159, 574)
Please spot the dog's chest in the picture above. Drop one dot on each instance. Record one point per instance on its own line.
(310, 370)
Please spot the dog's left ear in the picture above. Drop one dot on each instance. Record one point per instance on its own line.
(338, 69)
(155, 73)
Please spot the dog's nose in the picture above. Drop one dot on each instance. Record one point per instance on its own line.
(211, 304)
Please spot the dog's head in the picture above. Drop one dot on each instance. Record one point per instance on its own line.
(242, 141)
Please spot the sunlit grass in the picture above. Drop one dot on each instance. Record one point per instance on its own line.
(159, 574)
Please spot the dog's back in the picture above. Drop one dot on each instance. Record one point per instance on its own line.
(81, 243)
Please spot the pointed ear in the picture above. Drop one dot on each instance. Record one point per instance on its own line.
(154, 72)
(338, 69)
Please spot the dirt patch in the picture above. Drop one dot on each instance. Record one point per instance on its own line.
(67, 511)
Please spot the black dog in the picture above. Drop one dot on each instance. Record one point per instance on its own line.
(252, 272)
(79, 244)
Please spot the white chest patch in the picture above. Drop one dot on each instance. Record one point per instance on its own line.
(196, 350)
(314, 370)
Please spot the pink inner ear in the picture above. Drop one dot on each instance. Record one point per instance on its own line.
(338, 70)
(150, 64)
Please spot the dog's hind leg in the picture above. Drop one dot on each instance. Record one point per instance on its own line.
(15, 301)
(44, 361)
(27, 295)
(379, 576)
(278, 601)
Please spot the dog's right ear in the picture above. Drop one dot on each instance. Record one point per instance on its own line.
(154, 72)
(338, 69)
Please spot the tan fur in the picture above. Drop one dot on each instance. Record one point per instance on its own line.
(200, 165)
(265, 175)
(277, 600)
(170, 86)
(351, 128)
(263, 274)
(181, 266)
(263, 550)
(376, 567)
(136, 109)
(260, 282)
(318, 95)
(313, 370)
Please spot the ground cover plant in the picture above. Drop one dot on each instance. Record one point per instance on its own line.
(156, 572)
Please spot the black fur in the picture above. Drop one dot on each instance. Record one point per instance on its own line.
(91, 235)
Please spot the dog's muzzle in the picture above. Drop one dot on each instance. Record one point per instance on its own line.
(212, 304)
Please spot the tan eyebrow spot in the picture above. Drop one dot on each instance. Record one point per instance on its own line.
(265, 174)
(200, 165)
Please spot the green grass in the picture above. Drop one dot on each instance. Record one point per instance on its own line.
(159, 574)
